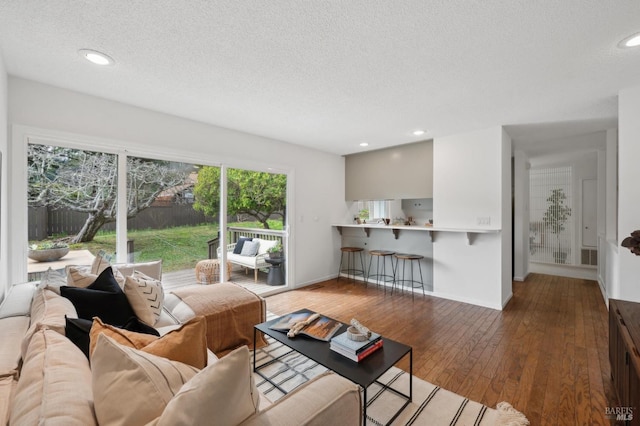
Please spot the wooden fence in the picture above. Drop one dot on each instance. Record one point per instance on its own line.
(44, 222)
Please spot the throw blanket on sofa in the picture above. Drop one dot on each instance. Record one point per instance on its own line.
(231, 312)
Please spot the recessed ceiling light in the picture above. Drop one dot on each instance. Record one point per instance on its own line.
(418, 132)
(96, 57)
(631, 41)
(364, 144)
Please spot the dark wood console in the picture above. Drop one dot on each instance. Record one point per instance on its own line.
(624, 356)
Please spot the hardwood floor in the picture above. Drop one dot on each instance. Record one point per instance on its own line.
(546, 353)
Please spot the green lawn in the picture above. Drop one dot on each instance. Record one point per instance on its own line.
(179, 248)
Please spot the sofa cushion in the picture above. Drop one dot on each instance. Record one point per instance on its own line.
(54, 385)
(145, 295)
(139, 384)
(78, 331)
(12, 332)
(248, 261)
(17, 301)
(7, 389)
(187, 344)
(237, 249)
(104, 299)
(48, 310)
(213, 392)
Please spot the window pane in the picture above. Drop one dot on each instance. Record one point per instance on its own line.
(72, 200)
(162, 223)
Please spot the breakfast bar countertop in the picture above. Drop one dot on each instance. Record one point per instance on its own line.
(366, 227)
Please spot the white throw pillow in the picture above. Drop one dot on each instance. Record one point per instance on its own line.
(224, 391)
(250, 248)
(145, 296)
(151, 269)
(266, 245)
(131, 387)
(52, 280)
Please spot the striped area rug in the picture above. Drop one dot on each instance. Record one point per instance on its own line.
(431, 404)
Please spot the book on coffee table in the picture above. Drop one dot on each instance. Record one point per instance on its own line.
(321, 328)
(356, 350)
(360, 355)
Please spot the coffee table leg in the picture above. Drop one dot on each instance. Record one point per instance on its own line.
(254, 349)
(364, 408)
(410, 370)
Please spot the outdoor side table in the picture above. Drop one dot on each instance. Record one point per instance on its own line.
(276, 274)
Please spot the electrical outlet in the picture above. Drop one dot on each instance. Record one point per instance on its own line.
(484, 220)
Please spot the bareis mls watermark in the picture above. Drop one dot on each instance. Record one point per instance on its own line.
(619, 413)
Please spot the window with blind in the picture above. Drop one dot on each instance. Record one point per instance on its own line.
(551, 226)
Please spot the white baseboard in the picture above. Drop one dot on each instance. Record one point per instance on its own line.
(570, 271)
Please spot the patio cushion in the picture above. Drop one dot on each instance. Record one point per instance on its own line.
(266, 245)
(238, 248)
(250, 248)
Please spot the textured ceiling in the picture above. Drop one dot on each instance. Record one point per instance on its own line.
(331, 74)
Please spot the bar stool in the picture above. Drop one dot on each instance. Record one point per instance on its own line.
(381, 270)
(351, 263)
(410, 282)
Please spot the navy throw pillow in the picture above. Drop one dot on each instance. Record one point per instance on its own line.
(238, 248)
(103, 299)
(77, 330)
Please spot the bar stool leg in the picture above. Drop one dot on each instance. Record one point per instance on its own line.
(412, 280)
(362, 269)
(340, 267)
(421, 279)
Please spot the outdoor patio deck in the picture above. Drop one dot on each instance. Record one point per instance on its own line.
(187, 276)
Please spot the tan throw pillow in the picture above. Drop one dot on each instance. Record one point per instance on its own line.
(187, 344)
(132, 387)
(224, 391)
(145, 296)
(100, 263)
(80, 276)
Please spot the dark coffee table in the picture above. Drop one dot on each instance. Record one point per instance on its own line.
(363, 373)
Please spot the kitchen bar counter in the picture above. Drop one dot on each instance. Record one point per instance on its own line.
(431, 230)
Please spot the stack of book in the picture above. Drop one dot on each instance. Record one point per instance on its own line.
(356, 351)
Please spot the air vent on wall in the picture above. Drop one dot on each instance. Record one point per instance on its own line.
(589, 257)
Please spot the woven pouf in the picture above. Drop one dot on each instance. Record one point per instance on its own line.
(208, 271)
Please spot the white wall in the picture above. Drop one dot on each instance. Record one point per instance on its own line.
(521, 215)
(628, 190)
(608, 265)
(472, 180)
(317, 177)
(4, 134)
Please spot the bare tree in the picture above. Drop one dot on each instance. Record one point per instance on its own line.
(86, 182)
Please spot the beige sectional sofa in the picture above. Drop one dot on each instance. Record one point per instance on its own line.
(46, 379)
